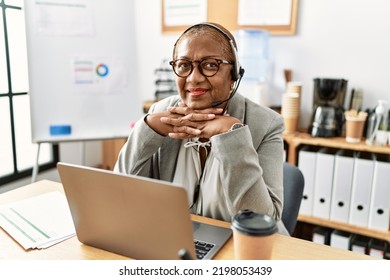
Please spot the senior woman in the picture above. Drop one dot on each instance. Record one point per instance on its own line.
(224, 149)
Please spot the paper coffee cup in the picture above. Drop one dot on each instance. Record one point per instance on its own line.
(253, 235)
(354, 129)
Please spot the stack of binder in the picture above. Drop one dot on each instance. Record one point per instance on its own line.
(361, 189)
(307, 165)
(379, 213)
(346, 186)
(323, 182)
(342, 185)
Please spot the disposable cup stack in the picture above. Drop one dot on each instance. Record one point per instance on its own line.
(291, 106)
(294, 87)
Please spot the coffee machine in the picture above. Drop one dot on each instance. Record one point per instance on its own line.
(328, 105)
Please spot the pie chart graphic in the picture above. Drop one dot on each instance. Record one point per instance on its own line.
(102, 70)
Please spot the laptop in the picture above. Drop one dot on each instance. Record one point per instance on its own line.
(134, 216)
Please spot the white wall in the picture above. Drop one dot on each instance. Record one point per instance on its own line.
(347, 39)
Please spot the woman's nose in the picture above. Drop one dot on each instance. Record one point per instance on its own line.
(196, 75)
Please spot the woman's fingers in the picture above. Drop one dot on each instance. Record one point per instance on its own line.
(187, 111)
(189, 120)
(184, 132)
(187, 123)
(199, 117)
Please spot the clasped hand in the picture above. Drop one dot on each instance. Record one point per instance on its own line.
(183, 122)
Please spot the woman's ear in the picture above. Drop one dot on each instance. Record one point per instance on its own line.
(231, 86)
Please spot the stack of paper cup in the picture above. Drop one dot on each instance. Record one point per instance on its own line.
(295, 87)
(291, 106)
(291, 111)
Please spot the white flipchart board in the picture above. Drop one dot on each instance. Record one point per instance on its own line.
(82, 76)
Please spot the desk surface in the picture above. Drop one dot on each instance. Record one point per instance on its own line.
(285, 248)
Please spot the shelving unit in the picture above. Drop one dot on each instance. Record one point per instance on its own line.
(301, 138)
(294, 141)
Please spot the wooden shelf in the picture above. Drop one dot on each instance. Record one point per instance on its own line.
(302, 138)
(385, 235)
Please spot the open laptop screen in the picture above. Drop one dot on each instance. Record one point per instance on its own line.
(138, 217)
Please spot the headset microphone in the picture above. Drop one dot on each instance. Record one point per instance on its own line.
(217, 103)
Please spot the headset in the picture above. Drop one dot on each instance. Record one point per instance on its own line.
(237, 70)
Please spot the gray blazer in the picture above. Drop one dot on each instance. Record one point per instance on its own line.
(251, 157)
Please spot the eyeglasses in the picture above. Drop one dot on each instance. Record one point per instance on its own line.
(208, 67)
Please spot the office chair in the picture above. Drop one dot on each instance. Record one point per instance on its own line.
(293, 183)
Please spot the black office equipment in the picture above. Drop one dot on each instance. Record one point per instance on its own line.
(359, 243)
(322, 235)
(378, 248)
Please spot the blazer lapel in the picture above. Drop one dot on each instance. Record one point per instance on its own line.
(168, 158)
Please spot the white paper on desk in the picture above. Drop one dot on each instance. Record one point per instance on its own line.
(38, 222)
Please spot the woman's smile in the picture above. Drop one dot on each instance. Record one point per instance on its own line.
(197, 92)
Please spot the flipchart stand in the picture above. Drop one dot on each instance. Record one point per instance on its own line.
(36, 165)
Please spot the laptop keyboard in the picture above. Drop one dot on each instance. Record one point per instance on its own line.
(202, 248)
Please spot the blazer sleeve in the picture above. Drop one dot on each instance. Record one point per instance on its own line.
(252, 166)
(137, 155)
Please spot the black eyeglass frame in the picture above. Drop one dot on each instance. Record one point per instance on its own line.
(191, 62)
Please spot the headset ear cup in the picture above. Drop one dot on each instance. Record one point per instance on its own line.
(237, 74)
(236, 66)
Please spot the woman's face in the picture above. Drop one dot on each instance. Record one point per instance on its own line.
(198, 91)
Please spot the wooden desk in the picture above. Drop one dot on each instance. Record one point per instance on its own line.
(286, 248)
